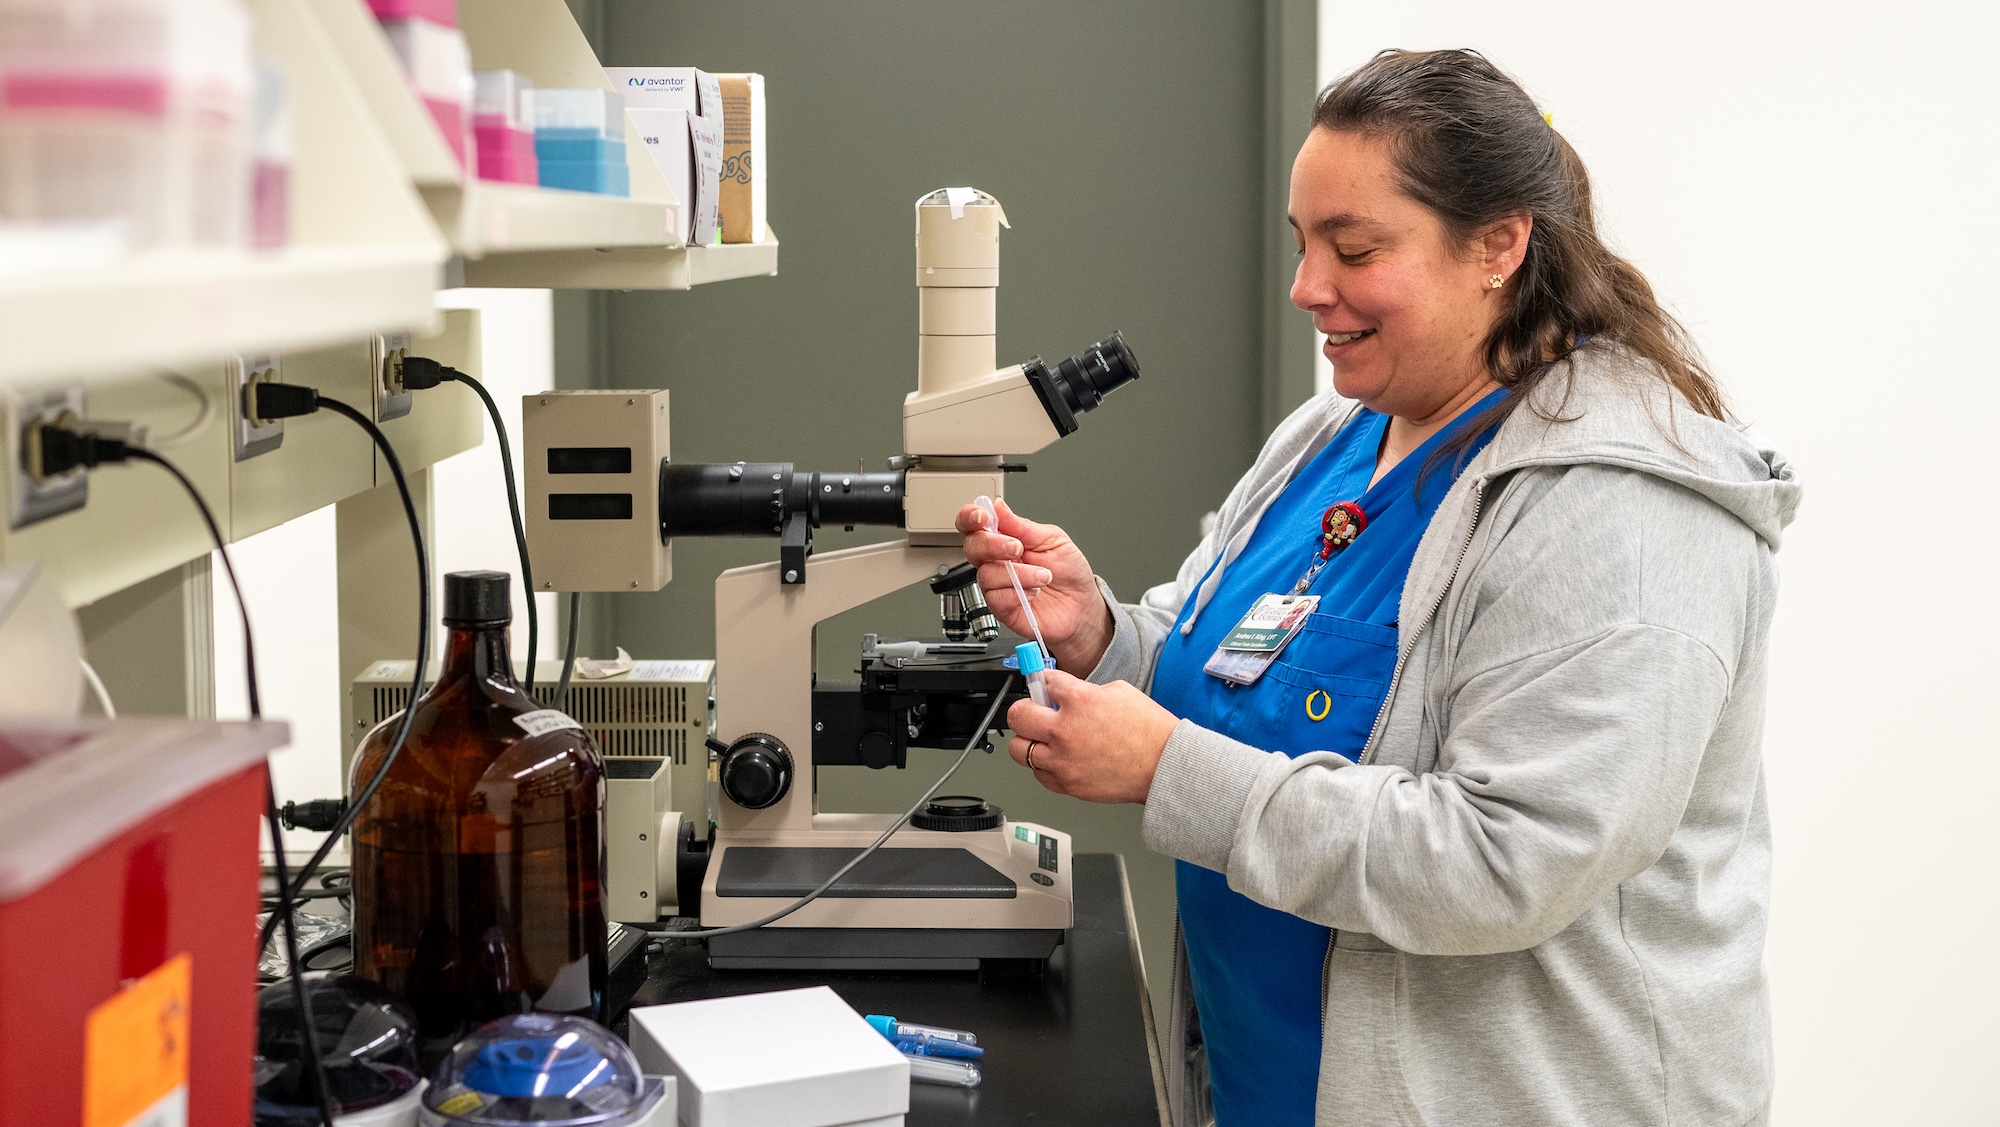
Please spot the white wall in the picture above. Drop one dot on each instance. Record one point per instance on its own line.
(298, 640)
(1812, 189)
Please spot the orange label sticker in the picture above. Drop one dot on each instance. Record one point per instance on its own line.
(135, 1052)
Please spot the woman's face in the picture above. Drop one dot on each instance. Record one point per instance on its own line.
(1404, 307)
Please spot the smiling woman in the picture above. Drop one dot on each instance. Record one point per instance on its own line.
(1432, 176)
(1453, 721)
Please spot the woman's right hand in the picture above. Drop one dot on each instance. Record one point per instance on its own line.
(1075, 621)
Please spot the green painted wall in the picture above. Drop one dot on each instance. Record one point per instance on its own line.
(1128, 144)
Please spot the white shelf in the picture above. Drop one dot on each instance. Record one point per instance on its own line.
(171, 309)
(636, 268)
(378, 208)
(518, 235)
(482, 217)
(365, 257)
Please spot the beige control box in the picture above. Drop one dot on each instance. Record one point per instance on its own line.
(593, 474)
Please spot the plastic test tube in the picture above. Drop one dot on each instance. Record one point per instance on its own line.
(891, 1028)
(1034, 672)
(932, 1070)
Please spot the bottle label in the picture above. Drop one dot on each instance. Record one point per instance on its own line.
(545, 720)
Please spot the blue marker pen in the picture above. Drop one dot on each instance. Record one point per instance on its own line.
(1029, 654)
(936, 1047)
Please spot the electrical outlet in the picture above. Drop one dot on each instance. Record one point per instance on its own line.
(386, 354)
(33, 497)
(250, 434)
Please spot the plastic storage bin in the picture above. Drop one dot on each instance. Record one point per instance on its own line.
(128, 900)
(271, 162)
(127, 113)
(439, 67)
(444, 13)
(501, 131)
(580, 140)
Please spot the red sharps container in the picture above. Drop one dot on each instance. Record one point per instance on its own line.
(128, 920)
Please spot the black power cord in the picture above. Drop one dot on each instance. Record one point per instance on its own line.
(274, 401)
(569, 648)
(422, 372)
(62, 450)
(319, 814)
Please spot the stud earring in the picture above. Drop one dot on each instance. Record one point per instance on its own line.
(1496, 281)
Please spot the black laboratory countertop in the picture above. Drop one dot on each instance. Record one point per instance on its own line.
(1073, 1045)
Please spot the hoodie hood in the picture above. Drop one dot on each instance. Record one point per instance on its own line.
(1605, 405)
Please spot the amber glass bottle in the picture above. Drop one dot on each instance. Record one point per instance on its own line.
(477, 865)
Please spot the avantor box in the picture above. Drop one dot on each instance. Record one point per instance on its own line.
(678, 111)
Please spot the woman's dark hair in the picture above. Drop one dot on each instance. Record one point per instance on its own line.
(1470, 145)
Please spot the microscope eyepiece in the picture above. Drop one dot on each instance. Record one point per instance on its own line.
(1081, 382)
(1086, 378)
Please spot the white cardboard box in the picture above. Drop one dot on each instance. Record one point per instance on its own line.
(688, 151)
(669, 88)
(790, 1058)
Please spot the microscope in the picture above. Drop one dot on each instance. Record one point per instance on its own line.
(960, 884)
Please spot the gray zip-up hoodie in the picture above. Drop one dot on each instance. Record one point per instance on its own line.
(1549, 873)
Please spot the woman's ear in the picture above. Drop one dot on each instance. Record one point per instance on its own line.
(1502, 247)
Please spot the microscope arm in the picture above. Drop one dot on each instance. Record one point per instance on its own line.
(765, 651)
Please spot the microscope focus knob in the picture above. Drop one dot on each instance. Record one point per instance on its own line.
(756, 771)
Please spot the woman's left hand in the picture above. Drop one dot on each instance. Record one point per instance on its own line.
(1100, 743)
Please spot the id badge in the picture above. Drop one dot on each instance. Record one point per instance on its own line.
(1256, 641)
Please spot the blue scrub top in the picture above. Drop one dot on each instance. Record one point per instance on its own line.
(1257, 970)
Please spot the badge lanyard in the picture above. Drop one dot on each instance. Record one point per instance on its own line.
(1274, 620)
(1338, 526)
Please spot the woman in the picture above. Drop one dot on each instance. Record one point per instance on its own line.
(1485, 841)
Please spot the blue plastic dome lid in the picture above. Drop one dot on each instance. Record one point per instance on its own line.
(546, 1069)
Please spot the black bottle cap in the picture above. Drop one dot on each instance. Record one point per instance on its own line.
(477, 598)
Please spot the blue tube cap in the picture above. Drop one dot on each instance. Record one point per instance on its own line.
(886, 1026)
(1030, 656)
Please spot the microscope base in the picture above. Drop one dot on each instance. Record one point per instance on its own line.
(887, 948)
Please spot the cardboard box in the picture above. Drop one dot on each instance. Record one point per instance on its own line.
(687, 149)
(790, 1058)
(742, 198)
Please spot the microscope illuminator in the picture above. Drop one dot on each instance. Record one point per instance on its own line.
(593, 489)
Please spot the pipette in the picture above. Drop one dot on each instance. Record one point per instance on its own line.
(985, 504)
